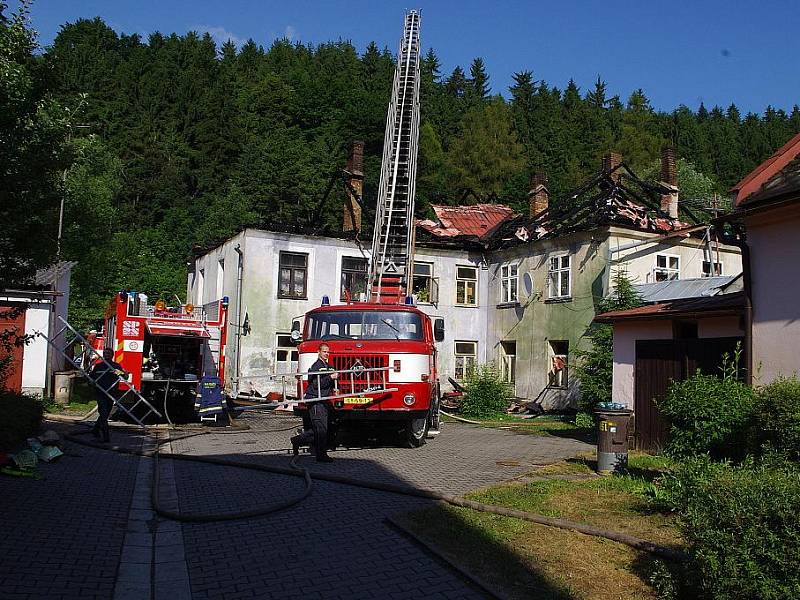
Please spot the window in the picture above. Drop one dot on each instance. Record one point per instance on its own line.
(668, 267)
(559, 360)
(354, 278)
(466, 286)
(560, 277)
(286, 354)
(422, 283)
(707, 266)
(293, 274)
(465, 359)
(200, 285)
(364, 325)
(220, 277)
(508, 361)
(508, 279)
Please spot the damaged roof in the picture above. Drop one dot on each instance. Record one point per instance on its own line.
(611, 197)
(475, 222)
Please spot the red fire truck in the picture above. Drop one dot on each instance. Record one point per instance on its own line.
(385, 349)
(386, 358)
(166, 350)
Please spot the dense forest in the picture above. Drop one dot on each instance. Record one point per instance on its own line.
(163, 144)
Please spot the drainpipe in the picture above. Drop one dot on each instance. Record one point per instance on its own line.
(239, 274)
(748, 312)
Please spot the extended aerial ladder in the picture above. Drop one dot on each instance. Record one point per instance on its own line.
(393, 237)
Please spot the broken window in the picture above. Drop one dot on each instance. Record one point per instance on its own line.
(466, 353)
(508, 283)
(466, 286)
(286, 354)
(422, 285)
(560, 277)
(508, 361)
(354, 278)
(707, 268)
(668, 267)
(293, 275)
(559, 360)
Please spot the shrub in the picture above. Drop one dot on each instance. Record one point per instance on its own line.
(708, 414)
(20, 416)
(584, 420)
(742, 530)
(777, 422)
(485, 393)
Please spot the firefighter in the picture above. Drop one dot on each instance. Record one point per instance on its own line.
(319, 386)
(105, 376)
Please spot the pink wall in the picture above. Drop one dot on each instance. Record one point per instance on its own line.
(625, 336)
(775, 267)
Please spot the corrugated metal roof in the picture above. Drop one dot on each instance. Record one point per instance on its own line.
(724, 304)
(478, 220)
(682, 288)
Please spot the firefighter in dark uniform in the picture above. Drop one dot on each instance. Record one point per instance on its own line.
(105, 375)
(319, 386)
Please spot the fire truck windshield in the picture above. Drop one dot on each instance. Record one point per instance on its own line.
(364, 325)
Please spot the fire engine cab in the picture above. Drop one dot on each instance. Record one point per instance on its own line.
(168, 351)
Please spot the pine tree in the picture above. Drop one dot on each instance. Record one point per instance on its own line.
(478, 81)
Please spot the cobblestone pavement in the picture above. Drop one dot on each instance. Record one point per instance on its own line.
(335, 544)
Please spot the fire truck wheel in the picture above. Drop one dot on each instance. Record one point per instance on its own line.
(416, 432)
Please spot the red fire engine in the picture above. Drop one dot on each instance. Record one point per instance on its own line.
(384, 349)
(166, 350)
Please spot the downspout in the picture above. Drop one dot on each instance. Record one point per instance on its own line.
(239, 275)
(748, 312)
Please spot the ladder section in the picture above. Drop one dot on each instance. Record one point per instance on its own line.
(83, 360)
(393, 237)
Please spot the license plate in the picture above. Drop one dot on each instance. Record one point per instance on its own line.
(357, 400)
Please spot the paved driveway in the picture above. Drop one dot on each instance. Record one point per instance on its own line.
(335, 544)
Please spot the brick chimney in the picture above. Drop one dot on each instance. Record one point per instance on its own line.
(669, 179)
(355, 177)
(611, 160)
(538, 196)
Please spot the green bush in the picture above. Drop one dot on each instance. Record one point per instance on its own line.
(20, 416)
(708, 414)
(777, 422)
(485, 393)
(584, 420)
(741, 527)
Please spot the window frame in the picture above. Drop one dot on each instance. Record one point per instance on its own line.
(509, 281)
(292, 269)
(552, 373)
(291, 350)
(344, 273)
(709, 263)
(666, 269)
(508, 362)
(466, 281)
(467, 366)
(553, 286)
(428, 297)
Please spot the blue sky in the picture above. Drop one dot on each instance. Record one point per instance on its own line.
(680, 52)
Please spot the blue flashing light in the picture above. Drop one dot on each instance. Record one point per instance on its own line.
(123, 296)
(326, 301)
(410, 300)
(225, 301)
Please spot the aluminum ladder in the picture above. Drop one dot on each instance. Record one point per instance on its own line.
(82, 362)
(393, 236)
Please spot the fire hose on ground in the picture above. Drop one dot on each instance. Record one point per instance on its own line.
(295, 471)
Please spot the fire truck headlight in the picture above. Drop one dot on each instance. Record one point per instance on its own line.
(409, 399)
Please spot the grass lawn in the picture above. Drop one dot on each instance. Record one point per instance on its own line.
(542, 425)
(82, 400)
(527, 560)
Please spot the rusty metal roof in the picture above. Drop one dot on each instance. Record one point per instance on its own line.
(724, 304)
(477, 221)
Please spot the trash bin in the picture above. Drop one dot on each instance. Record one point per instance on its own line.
(63, 387)
(612, 439)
